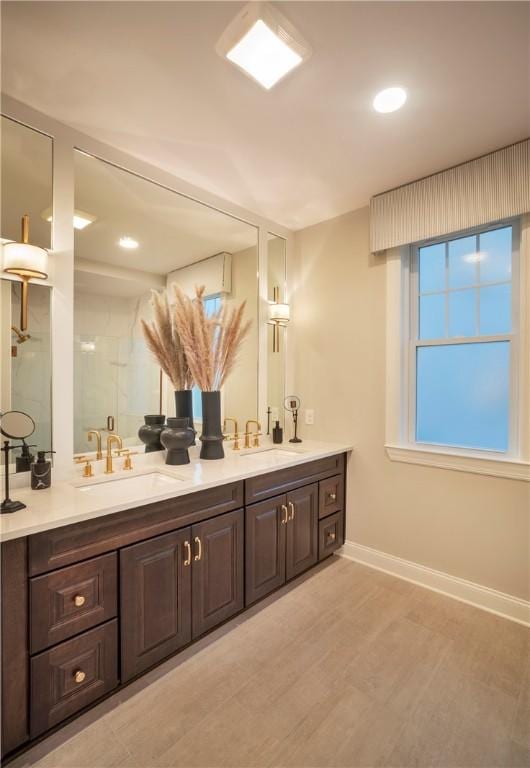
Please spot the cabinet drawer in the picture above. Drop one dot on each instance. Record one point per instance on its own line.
(72, 675)
(67, 602)
(330, 496)
(274, 483)
(330, 534)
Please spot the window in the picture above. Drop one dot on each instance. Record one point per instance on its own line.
(463, 341)
(211, 304)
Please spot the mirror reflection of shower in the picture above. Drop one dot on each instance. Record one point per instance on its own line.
(25, 359)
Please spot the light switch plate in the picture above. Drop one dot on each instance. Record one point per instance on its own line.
(309, 416)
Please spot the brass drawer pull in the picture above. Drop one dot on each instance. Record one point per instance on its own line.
(291, 507)
(286, 518)
(79, 600)
(332, 496)
(187, 561)
(199, 554)
(332, 536)
(79, 676)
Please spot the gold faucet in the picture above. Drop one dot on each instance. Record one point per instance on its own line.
(97, 434)
(248, 435)
(110, 440)
(235, 447)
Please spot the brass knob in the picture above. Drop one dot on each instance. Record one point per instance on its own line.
(79, 676)
(79, 600)
(333, 496)
(331, 536)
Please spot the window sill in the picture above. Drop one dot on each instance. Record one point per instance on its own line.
(514, 469)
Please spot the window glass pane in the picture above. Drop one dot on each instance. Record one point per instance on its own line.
(462, 395)
(432, 268)
(432, 316)
(496, 309)
(463, 313)
(496, 255)
(463, 262)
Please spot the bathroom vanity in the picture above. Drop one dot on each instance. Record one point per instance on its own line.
(99, 585)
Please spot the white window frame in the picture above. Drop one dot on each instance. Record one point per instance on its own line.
(401, 347)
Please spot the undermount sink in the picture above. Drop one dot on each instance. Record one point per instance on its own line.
(148, 484)
(275, 452)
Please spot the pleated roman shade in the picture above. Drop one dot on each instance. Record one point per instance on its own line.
(491, 188)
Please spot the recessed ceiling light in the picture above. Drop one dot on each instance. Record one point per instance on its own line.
(390, 99)
(128, 242)
(263, 43)
(81, 219)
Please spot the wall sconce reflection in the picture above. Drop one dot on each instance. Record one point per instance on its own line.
(279, 316)
(29, 262)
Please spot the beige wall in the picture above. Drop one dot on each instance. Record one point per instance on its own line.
(467, 525)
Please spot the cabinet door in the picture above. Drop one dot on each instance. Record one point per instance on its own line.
(155, 600)
(302, 529)
(265, 530)
(217, 573)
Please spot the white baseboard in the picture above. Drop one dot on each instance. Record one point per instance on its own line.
(509, 607)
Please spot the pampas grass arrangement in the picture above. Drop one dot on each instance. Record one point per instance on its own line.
(163, 340)
(211, 344)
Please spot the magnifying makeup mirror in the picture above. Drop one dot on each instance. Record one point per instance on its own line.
(15, 425)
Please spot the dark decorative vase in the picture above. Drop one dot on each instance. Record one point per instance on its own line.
(177, 437)
(212, 434)
(149, 433)
(184, 406)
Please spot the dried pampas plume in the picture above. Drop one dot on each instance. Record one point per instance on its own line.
(211, 343)
(163, 340)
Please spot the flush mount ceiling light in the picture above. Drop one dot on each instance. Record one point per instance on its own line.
(263, 44)
(81, 219)
(128, 242)
(390, 99)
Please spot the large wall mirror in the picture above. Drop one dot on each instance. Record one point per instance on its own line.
(132, 236)
(25, 355)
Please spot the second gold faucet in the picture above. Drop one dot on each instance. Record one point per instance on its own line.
(108, 461)
(255, 435)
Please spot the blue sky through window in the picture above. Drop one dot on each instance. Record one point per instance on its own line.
(465, 294)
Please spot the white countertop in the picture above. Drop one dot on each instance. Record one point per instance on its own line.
(65, 503)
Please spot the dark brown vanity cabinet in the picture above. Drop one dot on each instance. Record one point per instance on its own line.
(177, 586)
(88, 606)
(281, 540)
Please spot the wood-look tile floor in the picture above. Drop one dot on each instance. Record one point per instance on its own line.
(347, 667)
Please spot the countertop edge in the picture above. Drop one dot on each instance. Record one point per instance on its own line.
(187, 489)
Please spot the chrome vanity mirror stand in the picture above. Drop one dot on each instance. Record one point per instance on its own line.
(14, 425)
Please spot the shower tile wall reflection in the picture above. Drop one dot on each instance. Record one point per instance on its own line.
(26, 358)
(114, 373)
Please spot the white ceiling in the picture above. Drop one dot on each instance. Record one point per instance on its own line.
(145, 77)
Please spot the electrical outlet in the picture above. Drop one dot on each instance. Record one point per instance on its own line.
(275, 414)
(309, 416)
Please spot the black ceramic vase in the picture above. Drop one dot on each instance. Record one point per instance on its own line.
(212, 434)
(176, 438)
(149, 433)
(184, 406)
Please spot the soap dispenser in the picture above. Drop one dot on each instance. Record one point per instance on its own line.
(24, 461)
(277, 433)
(41, 472)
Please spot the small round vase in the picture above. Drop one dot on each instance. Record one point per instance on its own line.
(176, 438)
(149, 433)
